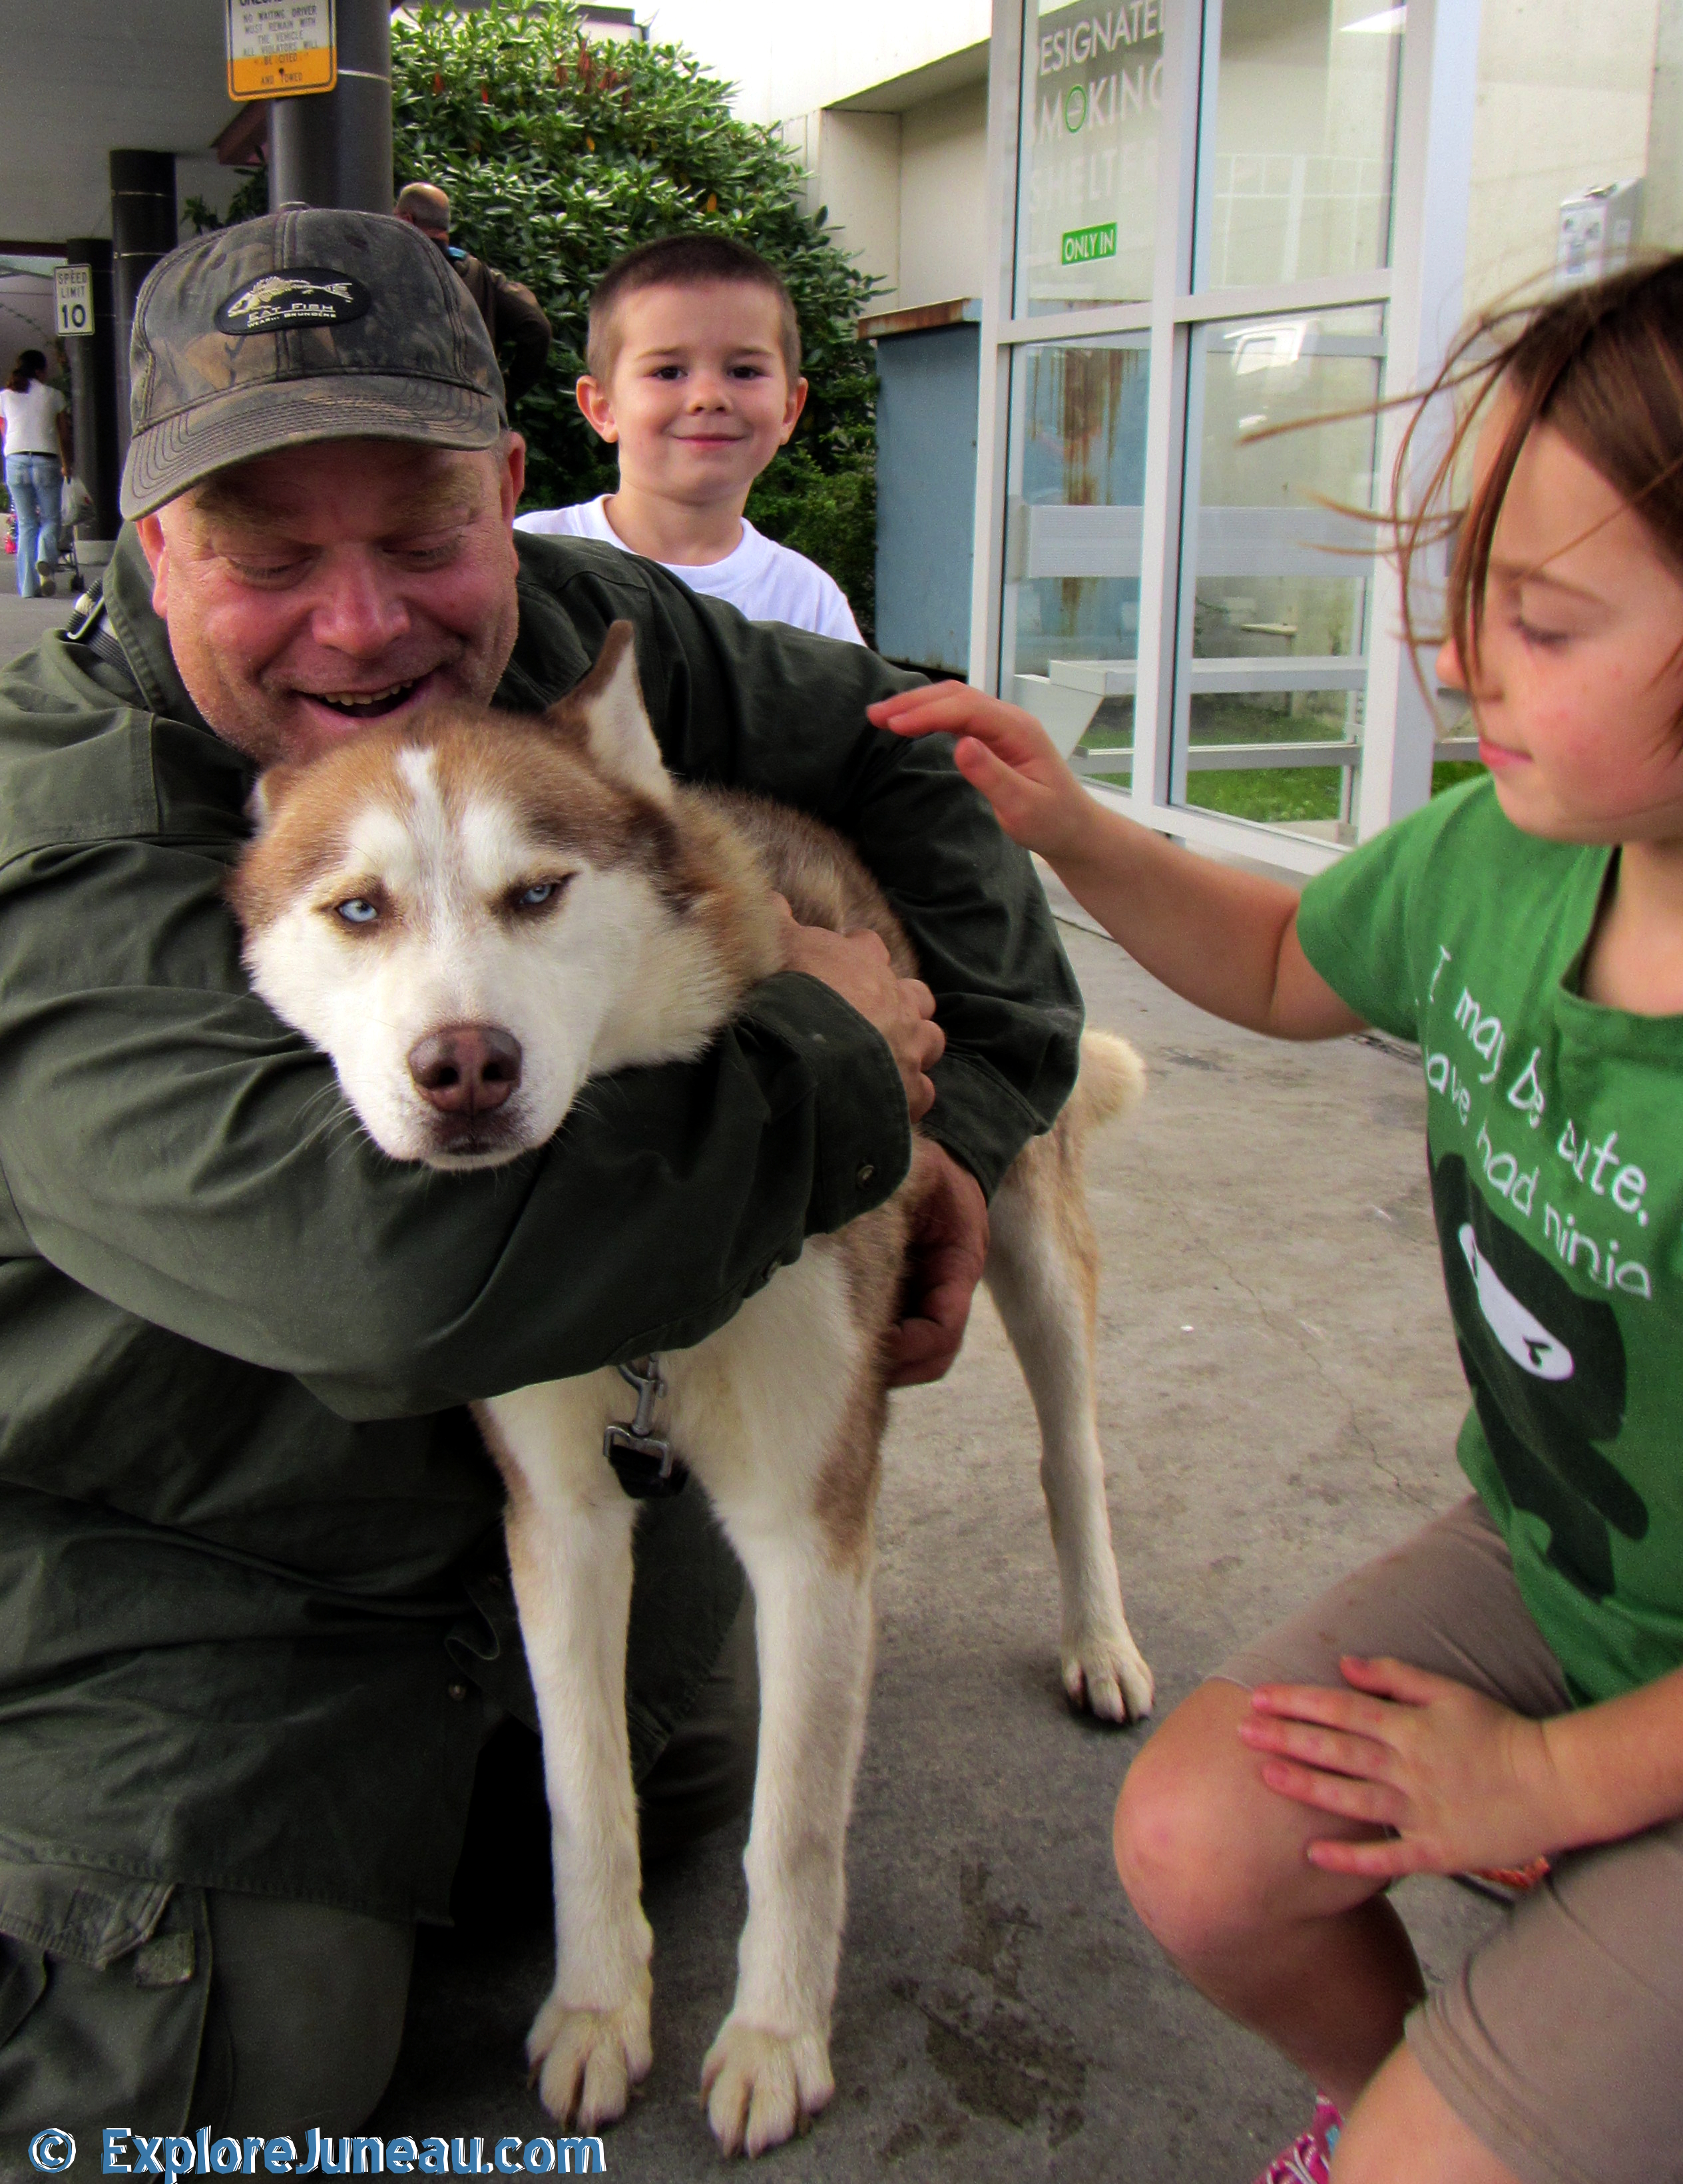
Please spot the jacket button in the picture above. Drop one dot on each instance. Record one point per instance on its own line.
(863, 1173)
(458, 1690)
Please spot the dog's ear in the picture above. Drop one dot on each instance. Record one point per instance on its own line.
(607, 706)
(269, 792)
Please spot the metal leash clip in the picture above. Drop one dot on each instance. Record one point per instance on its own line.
(644, 1462)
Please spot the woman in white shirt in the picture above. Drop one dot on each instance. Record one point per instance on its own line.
(34, 436)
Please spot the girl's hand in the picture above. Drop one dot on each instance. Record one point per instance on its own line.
(1004, 752)
(1466, 1784)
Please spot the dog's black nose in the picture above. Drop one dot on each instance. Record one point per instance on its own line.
(466, 1069)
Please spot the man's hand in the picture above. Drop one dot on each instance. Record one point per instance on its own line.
(945, 1257)
(856, 966)
(1466, 1784)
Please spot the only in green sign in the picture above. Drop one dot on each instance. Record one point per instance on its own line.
(1082, 244)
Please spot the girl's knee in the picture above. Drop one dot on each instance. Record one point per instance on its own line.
(1194, 1849)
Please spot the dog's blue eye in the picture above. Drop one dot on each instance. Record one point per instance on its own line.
(539, 892)
(357, 911)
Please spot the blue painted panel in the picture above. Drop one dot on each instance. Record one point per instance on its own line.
(926, 493)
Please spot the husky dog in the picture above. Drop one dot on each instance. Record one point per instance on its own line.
(471, 917)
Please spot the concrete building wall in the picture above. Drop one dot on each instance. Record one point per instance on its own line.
(1565, 89)
(885, 106)
(788, 61)
(943, 197)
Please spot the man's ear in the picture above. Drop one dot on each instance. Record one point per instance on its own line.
(607, 705)
(150, 532)
(592, 398)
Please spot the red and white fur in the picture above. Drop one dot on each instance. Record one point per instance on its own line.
(475, 916)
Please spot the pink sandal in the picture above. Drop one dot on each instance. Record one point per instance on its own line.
(1308, 2159)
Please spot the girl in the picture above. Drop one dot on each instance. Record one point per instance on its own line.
(1507, 1685)
(34, 437)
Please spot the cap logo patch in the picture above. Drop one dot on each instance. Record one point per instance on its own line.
(305, 295)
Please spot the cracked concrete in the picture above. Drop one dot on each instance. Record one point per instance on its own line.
(1278, 1397)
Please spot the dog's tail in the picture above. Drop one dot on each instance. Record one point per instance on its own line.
(1112, 1083)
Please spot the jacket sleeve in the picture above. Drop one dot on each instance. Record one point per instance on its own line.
(770, 708)
(522, 328)
(171, 1146)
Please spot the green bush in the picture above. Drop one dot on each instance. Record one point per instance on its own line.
(559, 154)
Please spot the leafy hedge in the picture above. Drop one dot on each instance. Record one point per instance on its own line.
(557, 154)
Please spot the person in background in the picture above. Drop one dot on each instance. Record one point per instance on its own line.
(694, 374)
(513, 316)
(34, 435)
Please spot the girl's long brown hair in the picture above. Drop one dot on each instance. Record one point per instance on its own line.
(1603, 365)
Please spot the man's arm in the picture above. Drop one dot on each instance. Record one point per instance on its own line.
(764, 707)
(169, 1145)
(522, 325)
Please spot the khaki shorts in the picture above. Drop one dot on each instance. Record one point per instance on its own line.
(1560, 2042)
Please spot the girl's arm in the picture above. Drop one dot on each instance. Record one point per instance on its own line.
(62, 425)
(1465, 1783)
(1225, 939)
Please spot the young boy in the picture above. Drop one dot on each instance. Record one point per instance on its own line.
(694, 374)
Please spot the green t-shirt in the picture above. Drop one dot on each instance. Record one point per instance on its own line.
(1555, 1135)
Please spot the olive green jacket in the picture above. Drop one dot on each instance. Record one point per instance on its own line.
(249, 1588)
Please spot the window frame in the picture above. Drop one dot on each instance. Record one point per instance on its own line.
(1420, 293)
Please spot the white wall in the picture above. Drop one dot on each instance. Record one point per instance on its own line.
(789, 60)
(942, 197)
(853, 167)
(905, 181)
(1564, 89)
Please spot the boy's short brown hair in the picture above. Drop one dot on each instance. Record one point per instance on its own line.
(683, 261)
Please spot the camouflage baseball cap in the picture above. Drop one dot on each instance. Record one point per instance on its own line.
(303, 326)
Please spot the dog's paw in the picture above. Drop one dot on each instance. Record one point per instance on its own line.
(1107, 1676)
(762, 2087)
(586, 2061)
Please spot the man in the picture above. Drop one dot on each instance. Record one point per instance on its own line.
(513, 316)
(254, 1626)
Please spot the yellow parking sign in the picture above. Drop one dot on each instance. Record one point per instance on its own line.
(278, 48)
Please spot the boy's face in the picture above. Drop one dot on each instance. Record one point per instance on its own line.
(699, 399)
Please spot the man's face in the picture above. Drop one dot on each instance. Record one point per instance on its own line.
(316, 590)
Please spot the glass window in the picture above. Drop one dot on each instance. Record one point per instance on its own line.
(1092, 103)
(1076, 465)
(1276, 580)
(1299, 181)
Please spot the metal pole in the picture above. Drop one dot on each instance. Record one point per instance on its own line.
(93, 400)
(144, 228)
(334, 147)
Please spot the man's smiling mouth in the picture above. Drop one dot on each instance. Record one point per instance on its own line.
(367, 704)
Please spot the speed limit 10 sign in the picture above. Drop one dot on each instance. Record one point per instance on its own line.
(73, 300)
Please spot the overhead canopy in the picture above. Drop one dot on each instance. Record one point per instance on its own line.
(82, 77)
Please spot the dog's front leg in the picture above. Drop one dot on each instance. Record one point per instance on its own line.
(769, 2068)
(569, 1534)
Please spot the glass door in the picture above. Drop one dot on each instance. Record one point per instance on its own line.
(1218, 255)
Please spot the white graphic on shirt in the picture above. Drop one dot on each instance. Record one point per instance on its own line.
(1597, 1167)
(1527, 1342)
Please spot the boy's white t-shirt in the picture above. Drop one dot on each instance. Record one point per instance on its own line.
(761, 579)
(29, 419)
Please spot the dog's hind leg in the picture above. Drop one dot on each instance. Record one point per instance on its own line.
(569, 1534)
(1043, 1268)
